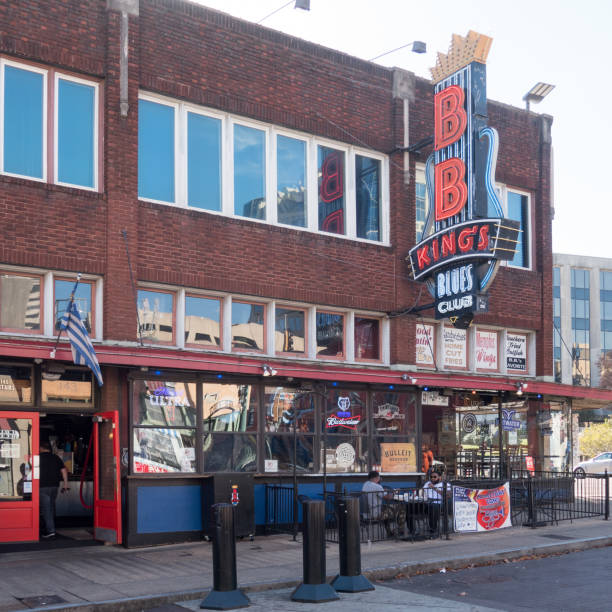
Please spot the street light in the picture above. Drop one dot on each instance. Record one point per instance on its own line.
(537, 93)
(418, 46)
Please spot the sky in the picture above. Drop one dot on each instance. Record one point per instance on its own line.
(561, 42)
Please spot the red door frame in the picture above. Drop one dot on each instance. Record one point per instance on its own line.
(19, 520)
(107, 513)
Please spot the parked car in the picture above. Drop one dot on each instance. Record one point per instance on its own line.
(596, 465)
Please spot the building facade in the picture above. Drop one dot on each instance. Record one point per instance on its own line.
(240, 205)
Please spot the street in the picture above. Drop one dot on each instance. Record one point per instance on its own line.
(575, 581)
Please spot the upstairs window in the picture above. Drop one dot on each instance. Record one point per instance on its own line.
(249, 172)
(518, 210)
(21, 303)
(331, 190)
(27, 110)
(82, 297)
(156, 316)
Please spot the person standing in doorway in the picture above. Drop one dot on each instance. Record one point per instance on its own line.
(52, 472)
(427, 459)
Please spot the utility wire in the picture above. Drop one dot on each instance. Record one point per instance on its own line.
(280, 8)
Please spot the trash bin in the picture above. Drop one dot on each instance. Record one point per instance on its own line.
(235, 489)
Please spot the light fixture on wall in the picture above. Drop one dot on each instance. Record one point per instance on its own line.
(520, 387)
(268, 371)
(537, 93)
(413, 381)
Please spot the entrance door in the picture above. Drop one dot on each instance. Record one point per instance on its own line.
(19, 474)
(107, 491)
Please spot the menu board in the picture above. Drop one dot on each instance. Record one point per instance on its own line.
(454, 348)
(486, 350)
(516, 352)
(425, 343)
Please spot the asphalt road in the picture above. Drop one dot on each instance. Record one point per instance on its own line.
(572, 582)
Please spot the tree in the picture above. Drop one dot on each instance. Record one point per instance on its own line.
(604, 364)
(596, 439)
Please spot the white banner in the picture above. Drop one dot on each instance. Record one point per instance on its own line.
(486, 350)
(454, 348)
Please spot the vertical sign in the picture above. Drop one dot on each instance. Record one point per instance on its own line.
(486, 350)
(516, 352)
(454, 348)
(425, 343)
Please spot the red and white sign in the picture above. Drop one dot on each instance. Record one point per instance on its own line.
(486, 347)
(425, 343)
(529, 464)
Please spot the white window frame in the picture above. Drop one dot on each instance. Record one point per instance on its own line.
(502, 191)
(65, 77)
(45, 111)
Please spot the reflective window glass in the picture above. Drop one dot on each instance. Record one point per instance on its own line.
(331, 190)
(16, 467)
(367, 338)
(367, 183)
(249, 172)
(162, 450)
(82, 297)
(229, 408)
(230, 452)
(202, 321)
(289, 333)
(204, 161)
(15, 384)
(20, 303)
(518, 210)
(247, 326)
(164, 403)
(283, 449)
(155, 151)
(291, 181)
(330, 335)
(286, 408)
(156, 316)
(394, 414)
(23, 122)
(66, 386)
(421, 209)
(76, 115)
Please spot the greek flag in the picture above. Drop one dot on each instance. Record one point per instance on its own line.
(82, 350)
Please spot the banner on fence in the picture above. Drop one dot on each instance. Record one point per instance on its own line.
(481, 509)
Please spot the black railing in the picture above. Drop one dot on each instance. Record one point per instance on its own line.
(279, 509)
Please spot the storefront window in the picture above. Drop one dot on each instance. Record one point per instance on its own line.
(66, 386)
(15, 384)
(164, 435)
(229, 411)
(290, 428)
(344, 444)
(553, 440)
(15, 464)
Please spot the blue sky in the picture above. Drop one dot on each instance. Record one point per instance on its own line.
(566, 43)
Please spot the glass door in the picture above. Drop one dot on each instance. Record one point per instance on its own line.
(19, 474)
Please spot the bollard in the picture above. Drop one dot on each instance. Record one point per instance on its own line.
(350, 579)
(225, 594)
(314, 589)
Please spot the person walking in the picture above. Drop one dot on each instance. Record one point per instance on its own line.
(52, 472)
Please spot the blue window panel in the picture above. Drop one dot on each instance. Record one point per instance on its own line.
(23, 122)
(557, 277)
(249, 172)
(291, 181)
(204, 162)
(163, 509)
(367, 179)
(76, 133)
(518, 211)
(155, 151)
(82, 297)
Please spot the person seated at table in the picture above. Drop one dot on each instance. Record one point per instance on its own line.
(379, 504)
(433, 492)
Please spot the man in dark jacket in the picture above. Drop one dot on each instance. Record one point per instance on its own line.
(52, 472)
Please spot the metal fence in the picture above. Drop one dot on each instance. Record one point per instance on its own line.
(538, 499)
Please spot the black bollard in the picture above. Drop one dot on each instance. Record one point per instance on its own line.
(314, 589)
(225, 594)
(350, 579)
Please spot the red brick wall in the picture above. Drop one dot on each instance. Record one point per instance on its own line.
(193, 53)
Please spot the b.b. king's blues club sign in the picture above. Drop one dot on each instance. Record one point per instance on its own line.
(466, 236)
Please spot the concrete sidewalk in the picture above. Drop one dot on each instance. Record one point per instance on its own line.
(113, 578)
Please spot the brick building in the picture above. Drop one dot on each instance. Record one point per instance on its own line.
(240, 205)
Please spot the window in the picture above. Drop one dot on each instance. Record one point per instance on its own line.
(331, 190)
(164, 431)
(291, 181)
(290, 331)
(66, 386)
(249, 172)
(202, 321)
(15, 384)
(421, 202)
(264, 173)
(247, 326)
(156, 151)
(21, 306)
(330, 335)
(367, 339)
(580, 298)
(156, 316)
(82, 297)
(72, 113)
(518, 210)
(605, 359)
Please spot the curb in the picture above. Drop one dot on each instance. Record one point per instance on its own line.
(137, 604)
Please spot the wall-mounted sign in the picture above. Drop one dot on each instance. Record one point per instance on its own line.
(345, 455)
(516, 352)
(425, 343)
(397, 457)
(388, 412)
(465, 235)
(271, 465)
(454, 348)
(481, 509)
(486, 350)
(509, 423)
(469, 422)
(348, 422)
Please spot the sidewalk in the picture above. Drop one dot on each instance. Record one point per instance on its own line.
(105, 578)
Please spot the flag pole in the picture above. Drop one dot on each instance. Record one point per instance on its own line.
(54, 349)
